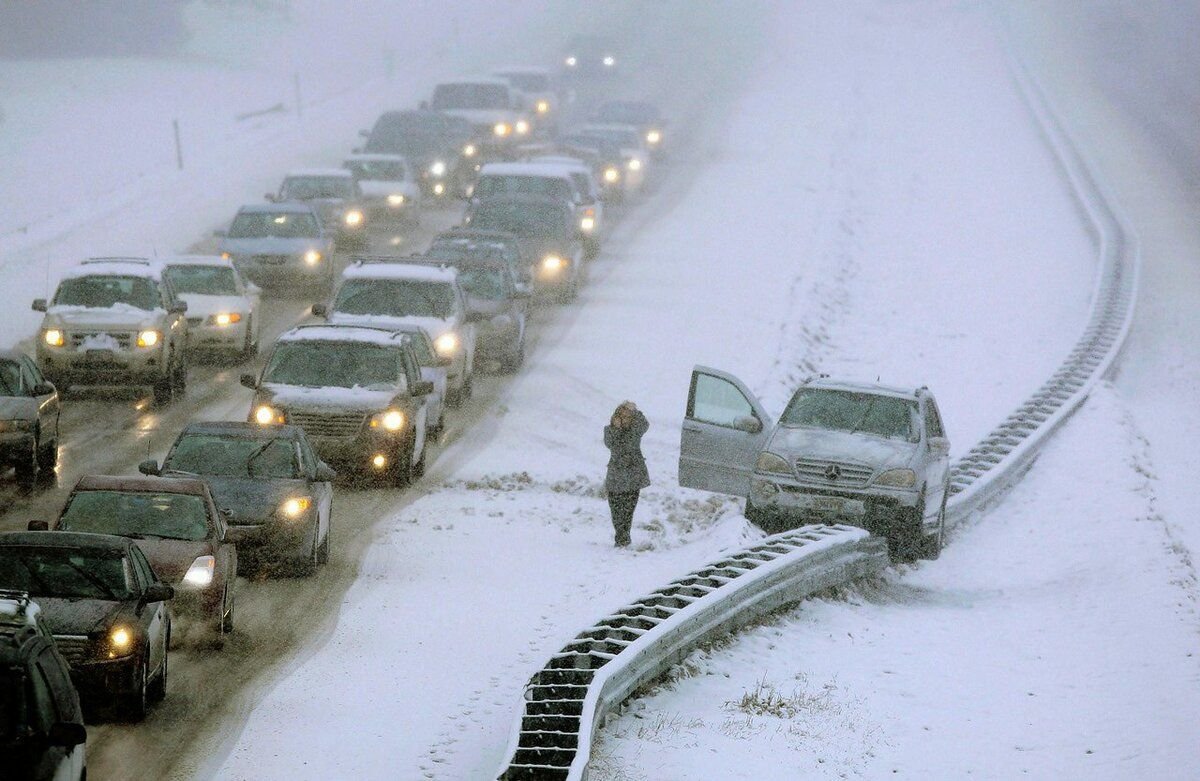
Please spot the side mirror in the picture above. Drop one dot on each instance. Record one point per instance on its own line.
(249, 381)
(220, 234)
(150, 468)
(226, 513)
(747, 423)
(422, 388)
(39, 305)
(43, 389)
(157, 592)
(320, 310)
(178, 307)
(325, 473)
(37, 526)
(67, 734)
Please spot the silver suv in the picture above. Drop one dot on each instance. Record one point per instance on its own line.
(115, 321)
(864, 454)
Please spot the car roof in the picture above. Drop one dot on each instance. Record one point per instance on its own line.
(197, 260)
(492, 80)
(338, 173)
(57, 539)
(189, 486)
(391, 267)
(369, 157)
(116, 267)
(540, 170)
(287, 207)
(856, 386)
(241, 428)
(342, 333)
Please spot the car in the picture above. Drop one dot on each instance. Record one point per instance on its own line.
(491, 291)
(176, 524)
(106, 609)
(603, 156)
(356, 392)
(115, 321)
(223, 307)
(279, 244)
(537, 85)
(569, 183)
(391, 191)
(548, 226)
(335, 195)
(496, 111)
(274, 494)
(464, 242)
(589, 55)
(42, 734)
(386, 291)
(867, 454)
(589, 195)
(435, 369)
(441, 149)
(641, 114)
(631, 145)
(29, 419)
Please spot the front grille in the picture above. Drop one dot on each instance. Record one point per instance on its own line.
(124, 339)
(328, 424)
(840, 473)
(72, 647)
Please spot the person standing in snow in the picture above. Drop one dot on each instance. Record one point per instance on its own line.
(627, 473)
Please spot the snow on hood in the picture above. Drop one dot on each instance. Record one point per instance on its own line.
(823, 444)
(350, 399)
(103, 317)
(202, 305)
(434, 326)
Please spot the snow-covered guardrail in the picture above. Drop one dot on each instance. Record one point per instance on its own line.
(566, 701)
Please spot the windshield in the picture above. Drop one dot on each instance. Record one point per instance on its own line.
(319, 364)
(524, 219)
(395, 298)
(390, 141)
(545, 186)
(66, 573)
(378, 170)
(485, 283)
(867, 413)
(528, 82)
(203, 280)
(306, 188)
(627, 113)
(280, 225)
(233, 456)
(130, 513)
(103, 292)
(454, 249)
(10, 378)
(448, 97)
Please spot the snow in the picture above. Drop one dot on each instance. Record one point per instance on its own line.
(398, 269)
(355, 397)
(321, 173)
(114, 267)
(339, 333)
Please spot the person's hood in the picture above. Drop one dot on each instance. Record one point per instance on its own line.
(171, 558)
(82, 616)
(329, 399)
(252, 500)
(119, 316)
(380, 189)
(826, 445)
(201, 305)
(434, 326)
(273, 245)
(18, 408)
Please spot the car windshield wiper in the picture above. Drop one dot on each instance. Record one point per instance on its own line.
(95, 581)
(255, 455)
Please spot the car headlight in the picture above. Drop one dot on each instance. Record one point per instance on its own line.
(265, 415)
(200, 574)
(543, 106)
(312, 257)
(439, 188)
(438, 168)
(772, 464)
(609, 61)
(120, 641)
(635, 164)
(553, 264)
(225, 319)
(225, 256)
(571, 62)
(15, 425)
(353, 218)
(587, 224)
(469, 150)
(295, 507)
(391, 420)
(611, 175)
(395, 199)
(653, 137)
(897, 478)
(522, 127)
(446, 344)
(54, 337)
(147, 338)
(502, 129)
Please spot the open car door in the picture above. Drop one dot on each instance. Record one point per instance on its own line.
(723, 431)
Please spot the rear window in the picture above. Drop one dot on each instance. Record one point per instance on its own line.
(130, 513)
(523, 219)
(395, 298)
(889, 417)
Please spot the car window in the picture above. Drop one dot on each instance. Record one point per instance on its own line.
(51, 666)
(34, 372)
(497, 184)
(107, 291)
(422, 350)
(382, 170)
(305, 188)
(279, 225)
(68, 573)
(10, 378)
(485, 283)
(141, 566)
(412, 369)
(233, 456)
(890, 417)
(717, 401)
(933, 420)
(319, 364)
(395, 298)
(528, 82)
(146, 513)
(203, 280)
(448, 97)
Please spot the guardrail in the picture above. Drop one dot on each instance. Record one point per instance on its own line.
(567, 700)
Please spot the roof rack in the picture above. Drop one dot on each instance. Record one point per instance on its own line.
(381, 329)
(118, 259)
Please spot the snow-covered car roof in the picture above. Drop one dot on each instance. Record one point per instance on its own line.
(285, 207)
(341, 333)
(856, 386)
(565, 161)
(398, 269)
(523, 169)
(375, 157)
(116, 267)
(197, 260)
(493, 80)
(339, 173)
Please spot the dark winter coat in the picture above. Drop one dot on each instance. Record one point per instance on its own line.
(626, 465)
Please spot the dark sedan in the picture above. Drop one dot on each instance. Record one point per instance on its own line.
(549, 228)
(274, 491)
(105, 607)
(460, 242)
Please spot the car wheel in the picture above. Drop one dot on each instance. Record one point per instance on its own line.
(931, 546)
(179, 378)
(418, 469)
(47, 458)
(905, 542)
(468, 388)
(27, 467)
(763, 519)
(402, 467)
(137, 701)
(510, 364)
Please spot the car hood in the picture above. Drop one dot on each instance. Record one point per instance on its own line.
(332, 399)
(434, 326)
(81, 616)
(271, 245)
(201, 305)
(793, 443)
(377, 188)
(171, 558)
(252, 500)
(18, 408)
(119, 316)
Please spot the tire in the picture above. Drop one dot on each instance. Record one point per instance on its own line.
(906, 542)
(27, 469)
(468, 388)
(402, 468)
(137, 703)
(179, 378)
(47, 457)
(164, 390)
(307, 565)
(763, 519)
(510, 364)
(931, 545)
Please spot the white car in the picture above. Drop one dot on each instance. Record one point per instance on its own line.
(223, 308)
(537, 85)
(389, 293)
(390, 190)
